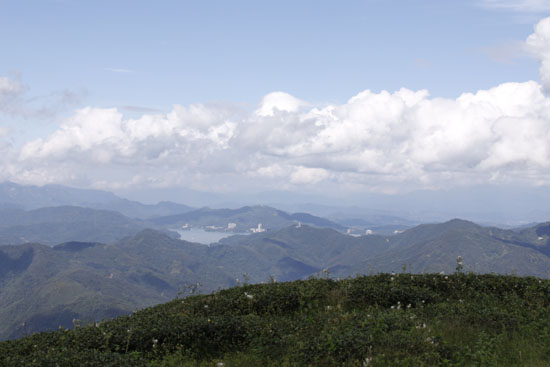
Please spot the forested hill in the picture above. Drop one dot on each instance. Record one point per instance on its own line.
(43, 287)
(375, 321)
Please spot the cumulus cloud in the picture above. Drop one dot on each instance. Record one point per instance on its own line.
(385, 141)
(374, 139)
(279, 101)
(538, 44)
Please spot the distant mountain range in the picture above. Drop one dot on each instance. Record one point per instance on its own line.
(243, 219)
(42, 287)
(14, 196)
(54, 225)
(50, 226)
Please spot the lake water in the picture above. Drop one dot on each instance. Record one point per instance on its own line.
(201, 236)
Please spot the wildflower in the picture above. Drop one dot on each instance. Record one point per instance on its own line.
(220, 364)
(409, 305)
(205, 306)
(328, 308)
(446, 277)
(249, 296)
(366, 362)
(391, 279)
(442, 273)
(155, 342)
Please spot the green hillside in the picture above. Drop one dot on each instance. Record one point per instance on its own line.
(43, 287)
(382, 320)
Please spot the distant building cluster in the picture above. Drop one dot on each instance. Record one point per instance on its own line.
(258, 229)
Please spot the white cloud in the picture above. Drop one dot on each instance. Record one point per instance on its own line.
(535, 6)
(538, 44)
(15, 102)
(379, 141)
(279, 101)
(11, 90)
(305, 175)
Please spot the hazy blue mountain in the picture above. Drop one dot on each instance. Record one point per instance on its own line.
(53, 225)
(33, 197)
(244, 218)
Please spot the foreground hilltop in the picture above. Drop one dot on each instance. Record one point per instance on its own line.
(381, 320)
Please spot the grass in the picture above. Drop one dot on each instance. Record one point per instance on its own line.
(379, 320)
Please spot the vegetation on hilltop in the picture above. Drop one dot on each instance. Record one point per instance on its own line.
(380, 320)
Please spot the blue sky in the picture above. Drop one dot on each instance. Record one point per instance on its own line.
(156, 54)
(352, 97)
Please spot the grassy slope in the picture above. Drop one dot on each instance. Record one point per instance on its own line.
(381, 320)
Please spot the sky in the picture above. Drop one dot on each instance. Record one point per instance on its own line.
(346, 99)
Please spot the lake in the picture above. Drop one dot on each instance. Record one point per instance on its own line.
(201, 236)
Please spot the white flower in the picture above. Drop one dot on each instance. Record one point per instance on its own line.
(249, 296)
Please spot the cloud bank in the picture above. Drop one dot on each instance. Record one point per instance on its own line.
(382, 141)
